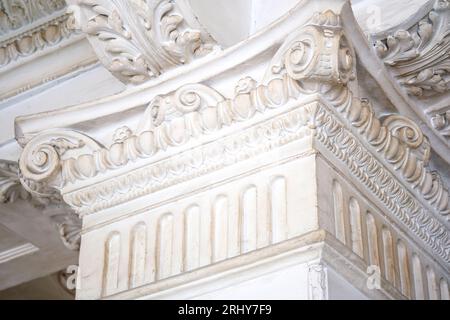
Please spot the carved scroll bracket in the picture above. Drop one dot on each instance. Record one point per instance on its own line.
(321, 60)
(67, 223)
(40, 161)
(40, 174)
(317, 55)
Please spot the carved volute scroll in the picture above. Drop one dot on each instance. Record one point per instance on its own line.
(388, 156)
(13, 187)
(409, 133)
(41, 158)
(319, 53)
(39, 171)
(139, 39)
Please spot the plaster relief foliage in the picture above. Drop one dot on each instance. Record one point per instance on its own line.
(68, 225)
(10, 186)
(30, 26)
(418, 56)
(28, 42)
(14, 187)
(15, 14)
(138, 40)
(397, 141)
(327, 70)
(388, 157)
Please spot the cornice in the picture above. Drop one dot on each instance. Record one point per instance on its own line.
(31, 41)
(309, 91)
(43, 30)
(198, 161)
(316, 61)
(29, 27)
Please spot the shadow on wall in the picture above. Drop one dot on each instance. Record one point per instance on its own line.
(45, 288)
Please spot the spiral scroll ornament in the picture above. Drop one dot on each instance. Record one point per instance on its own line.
(299, 56)
(409, 133)
(39, 162)
(317, 54)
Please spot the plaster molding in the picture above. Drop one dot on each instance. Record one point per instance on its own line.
(366, 169)
(28, 28)
(34, 33)
(138, 40)
(417, 57)
(316, 61)
(69, 226)
(27, 43)
(17, 252)
(418, 54)
(318, 250)
(317, 281)
(16, 14)
(193, 163)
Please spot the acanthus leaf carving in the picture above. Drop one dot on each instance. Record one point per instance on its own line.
(419, 55)
(409, 133)
(317, 60)
(10, 186)
(15, 14)
(13, 187)
(138, 39)
(69, 228)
